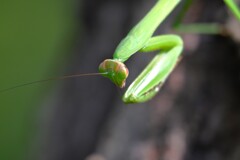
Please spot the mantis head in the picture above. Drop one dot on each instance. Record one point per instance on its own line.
(115, 70)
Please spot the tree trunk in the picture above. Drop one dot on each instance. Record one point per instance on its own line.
(195, 115)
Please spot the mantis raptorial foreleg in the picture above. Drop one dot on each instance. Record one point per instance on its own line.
(148, 83)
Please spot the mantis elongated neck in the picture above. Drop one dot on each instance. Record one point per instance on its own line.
(143, 31)
(156, 15)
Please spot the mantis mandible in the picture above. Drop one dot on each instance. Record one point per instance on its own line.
(140, 38)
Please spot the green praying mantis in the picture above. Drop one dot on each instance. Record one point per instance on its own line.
(140, 39)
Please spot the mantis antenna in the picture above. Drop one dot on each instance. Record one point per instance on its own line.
(51, 79)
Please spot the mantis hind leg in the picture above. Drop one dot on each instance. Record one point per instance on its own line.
(148, 83)
(202, 28)
(233, 8)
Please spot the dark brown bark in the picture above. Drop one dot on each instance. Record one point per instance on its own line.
(195, 116)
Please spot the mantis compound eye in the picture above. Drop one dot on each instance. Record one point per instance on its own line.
(115, 70)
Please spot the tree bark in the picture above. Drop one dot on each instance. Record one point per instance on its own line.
(195, 115)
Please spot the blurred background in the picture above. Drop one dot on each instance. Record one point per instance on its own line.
(194, 117)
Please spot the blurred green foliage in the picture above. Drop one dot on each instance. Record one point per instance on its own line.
(34, 35)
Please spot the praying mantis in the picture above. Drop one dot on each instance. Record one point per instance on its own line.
(141, 39)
